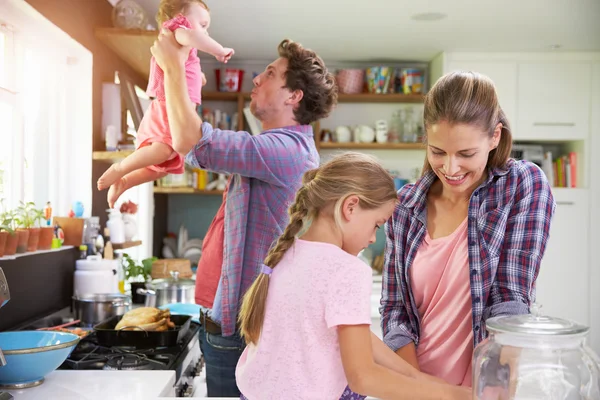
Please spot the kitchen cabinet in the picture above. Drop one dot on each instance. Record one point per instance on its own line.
(563, 283)
(504, 75)
(553, 100)
(594, 238)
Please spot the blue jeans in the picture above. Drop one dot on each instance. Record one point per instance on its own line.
(221, 355)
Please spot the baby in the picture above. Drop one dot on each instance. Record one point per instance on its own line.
(154, 156)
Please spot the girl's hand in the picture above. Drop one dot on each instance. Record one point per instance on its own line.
(226, 56)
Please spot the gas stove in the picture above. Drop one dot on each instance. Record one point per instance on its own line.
(185, 359)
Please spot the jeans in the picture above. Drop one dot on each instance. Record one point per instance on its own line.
(221, 355)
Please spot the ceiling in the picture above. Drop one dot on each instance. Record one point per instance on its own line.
(383, 29)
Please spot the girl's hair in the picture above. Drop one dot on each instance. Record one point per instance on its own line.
(168, 9)
(333, 182)
(468, 98)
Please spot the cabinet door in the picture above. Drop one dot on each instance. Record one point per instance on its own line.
(553, 101)
(563, 282)
(504, 75)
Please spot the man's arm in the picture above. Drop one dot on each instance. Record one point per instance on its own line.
(184, 122)
(270, 157)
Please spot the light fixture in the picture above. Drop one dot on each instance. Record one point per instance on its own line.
(429, 16)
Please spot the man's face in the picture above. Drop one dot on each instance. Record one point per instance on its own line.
(270, 95)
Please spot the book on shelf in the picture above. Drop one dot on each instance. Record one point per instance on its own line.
(563, 170)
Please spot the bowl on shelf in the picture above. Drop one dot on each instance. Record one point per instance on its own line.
(31, 355)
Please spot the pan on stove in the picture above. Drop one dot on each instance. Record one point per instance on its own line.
(108, 336)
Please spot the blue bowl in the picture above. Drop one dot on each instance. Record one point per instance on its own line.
(31, 355)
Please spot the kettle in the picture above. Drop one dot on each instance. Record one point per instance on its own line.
(535, 357)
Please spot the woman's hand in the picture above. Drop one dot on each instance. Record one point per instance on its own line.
(168, 53)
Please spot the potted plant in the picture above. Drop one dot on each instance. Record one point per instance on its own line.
(26, 219)
(46, 232)
(137, 274)
(7, 224)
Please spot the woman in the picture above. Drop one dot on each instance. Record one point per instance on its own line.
(465, 242)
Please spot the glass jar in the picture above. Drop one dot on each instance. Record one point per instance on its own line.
(535, 357)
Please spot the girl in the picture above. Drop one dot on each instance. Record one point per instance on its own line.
(154, 157)
(465, 241)
(306, 317)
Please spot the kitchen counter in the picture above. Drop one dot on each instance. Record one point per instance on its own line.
(96, 385)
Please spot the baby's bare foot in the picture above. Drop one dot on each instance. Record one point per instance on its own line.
(109, 177)
(115, 191)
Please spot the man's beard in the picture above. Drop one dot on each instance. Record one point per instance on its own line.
(258, 113)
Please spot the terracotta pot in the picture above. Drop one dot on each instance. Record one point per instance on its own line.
(34, 238)
(11, 244)
(3, 235)
(46, 235)
(22, 239)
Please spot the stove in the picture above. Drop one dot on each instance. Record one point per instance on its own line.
(185, 359)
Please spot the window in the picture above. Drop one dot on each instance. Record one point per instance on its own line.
(46, 112)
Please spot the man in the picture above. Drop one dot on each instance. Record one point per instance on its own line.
(266, 170)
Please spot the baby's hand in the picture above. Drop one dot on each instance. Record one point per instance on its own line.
(226, 56)
(203, 79)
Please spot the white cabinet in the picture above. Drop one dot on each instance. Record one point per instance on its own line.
(504, 75)
(594, 240)
(553, 101)
(563, 282)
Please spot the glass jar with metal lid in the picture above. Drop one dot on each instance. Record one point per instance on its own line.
(535, 357)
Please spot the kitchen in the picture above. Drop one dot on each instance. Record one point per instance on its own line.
(561, 117)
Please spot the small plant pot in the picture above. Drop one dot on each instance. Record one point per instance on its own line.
(11, 244)
(22, 240)
(34, 239)
(46, 236)
(3, 236)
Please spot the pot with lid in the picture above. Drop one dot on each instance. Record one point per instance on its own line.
(535, 357)
(169, 290)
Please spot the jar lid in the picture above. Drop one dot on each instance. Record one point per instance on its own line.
(535, 324)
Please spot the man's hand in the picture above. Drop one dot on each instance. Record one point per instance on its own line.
(168, 53)
(226, 56)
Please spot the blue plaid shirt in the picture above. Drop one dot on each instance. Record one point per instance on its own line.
(267, 171)
(508, 226)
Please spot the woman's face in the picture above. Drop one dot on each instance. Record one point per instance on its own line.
(458, 154)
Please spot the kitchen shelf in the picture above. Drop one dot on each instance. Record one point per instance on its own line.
(367, 146)
(186, 190)
(110, 155)
(126, 245)
(380, 98)
(131, 45)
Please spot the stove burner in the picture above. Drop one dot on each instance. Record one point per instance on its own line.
(127, 362)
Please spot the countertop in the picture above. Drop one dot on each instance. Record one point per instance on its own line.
(96, 385)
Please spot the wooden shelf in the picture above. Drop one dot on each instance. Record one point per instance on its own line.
(380, 98)
(131, 45)
(110, 155)
(186, 190)
(223, 96)
(366, 146)
(126, 245)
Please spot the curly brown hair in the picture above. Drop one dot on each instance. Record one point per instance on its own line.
(168, 9)
(307, 72)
